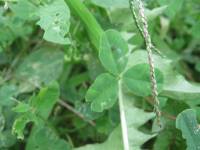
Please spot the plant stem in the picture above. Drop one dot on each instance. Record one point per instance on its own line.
(81, 116)
(123, 118)
(93, 28)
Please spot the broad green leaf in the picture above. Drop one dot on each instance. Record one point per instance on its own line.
(173, 6)
(179, 88)
(111, 3)
(124, 18)
(137, 79)
(24, 9)
(152, 14)
(55, 20)
(7, 92)
(44, 138)
(187, 123)
(175, 85)
(42, 66)
(113, 51)
(102, 93)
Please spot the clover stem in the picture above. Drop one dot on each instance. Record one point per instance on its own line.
(123, 118)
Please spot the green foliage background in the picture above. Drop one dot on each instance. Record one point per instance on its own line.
(66, 64)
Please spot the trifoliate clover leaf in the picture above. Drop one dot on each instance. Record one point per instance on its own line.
(103, 92)
(113, 51)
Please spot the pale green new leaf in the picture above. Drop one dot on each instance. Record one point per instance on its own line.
(137, 79)
(175, 85)
(55, 20)
(113, 51)
(187, 123)
(42, 66)
(103, 92)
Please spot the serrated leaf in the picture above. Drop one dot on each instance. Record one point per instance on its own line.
(136, 137)
(113, 50)
(137, 79)
(175, 85)
(103, 92)
(39, 107)
(135, 118)
(20, 124)
(42, 66)
(55, 20)
(46, 99)
(187, 123)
